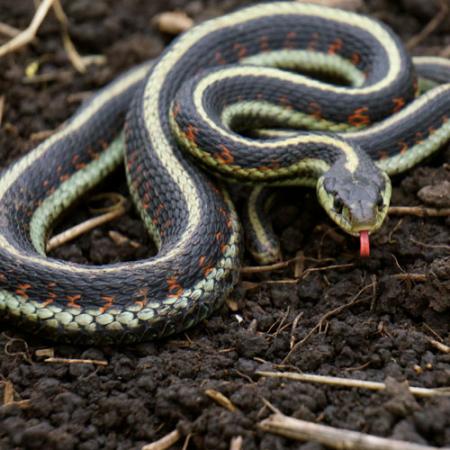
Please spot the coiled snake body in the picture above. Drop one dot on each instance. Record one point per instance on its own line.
(195, 96)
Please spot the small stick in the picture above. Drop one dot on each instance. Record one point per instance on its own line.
(165, 442)
(26, 36)
(236, 443)
(2, 107)
(430, 27)
(83, 228)
(333, 437)
(294, 327)
(96, 362)
(8, 30)
(72, 53)
(299, 267)
(439, 345)
(219, 398)
(352, 383)
(419, 211)
(270, 267)
(186, 441)
(420, 277)
(423, 244)
(321, 269)
(8, 392)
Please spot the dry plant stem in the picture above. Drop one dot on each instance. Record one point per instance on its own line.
(236, 443)
(420, 277)
(351, 383)
(83, 228)
(8, 392)
(73, 55)
(219, 398)
(418, 211)
(2, 107)
(164, 443)
(333, 437)
(270, 267)
(430, 27)
(26, 36)
(8, 30)
(440, 346)
(96, 362)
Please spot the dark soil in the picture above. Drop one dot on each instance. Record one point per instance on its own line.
(367, 319)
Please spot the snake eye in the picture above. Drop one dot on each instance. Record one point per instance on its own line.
(380, 202)
(338, 205)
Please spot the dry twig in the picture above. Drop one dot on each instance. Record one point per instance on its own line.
(26, 36)
(72, 53)
(440, 346)
(84, 227)
(219, 398)
(419, 211)
(352, 383)
(430, 27)
(96, 362)
(164, 443)
(333, 437)
(2, 107)
(236, 443)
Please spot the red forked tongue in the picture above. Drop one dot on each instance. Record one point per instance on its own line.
(364, 244)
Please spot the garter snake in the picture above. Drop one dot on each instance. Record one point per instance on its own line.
(195, 96)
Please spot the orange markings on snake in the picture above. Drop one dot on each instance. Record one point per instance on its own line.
(72, 301)
(63, 178)
(399, 103)
(360, 117)
(383, 154)
(315, 110)
(219, 58)
(419, 137)
(403, 147)
(312, 44)
(175, 288)
(240, 49)
(143, 292)
(335, 46)
(284, 101)
(191, 133)
(176, 110)
(355, 58)
(224, 156)
(108, 303)
(264, 43)
(289, 41)
(22, 290)
(80, 165)
(146, 200)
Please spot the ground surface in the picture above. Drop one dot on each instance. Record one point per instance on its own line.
(145, 391)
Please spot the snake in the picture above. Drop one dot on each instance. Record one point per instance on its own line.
(275, 94)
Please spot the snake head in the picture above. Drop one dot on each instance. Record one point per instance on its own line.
(358, 201)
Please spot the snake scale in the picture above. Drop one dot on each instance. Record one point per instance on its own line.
(195, 108)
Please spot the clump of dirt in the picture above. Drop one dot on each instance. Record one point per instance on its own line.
(381, 319)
